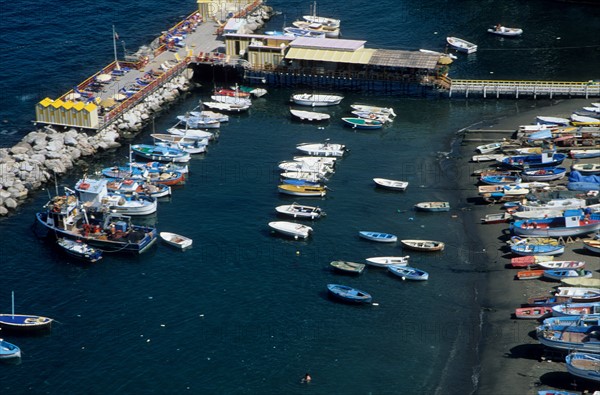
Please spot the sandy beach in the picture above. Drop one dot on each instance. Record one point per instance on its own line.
(512, 360)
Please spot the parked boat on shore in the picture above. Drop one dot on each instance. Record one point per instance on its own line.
(584, 365)
(533, 313)
(572, 223)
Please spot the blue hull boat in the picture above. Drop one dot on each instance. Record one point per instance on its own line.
(528, 161)
(9, 350)
(560, 274)
(523, 249)
(408, 273)
(377, 236)
(584, 365)
(349, 294)
(570, 338)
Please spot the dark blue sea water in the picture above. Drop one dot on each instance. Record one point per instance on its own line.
(245, 311)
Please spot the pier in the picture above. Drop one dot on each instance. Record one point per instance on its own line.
(517, 89)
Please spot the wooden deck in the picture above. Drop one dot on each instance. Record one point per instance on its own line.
(516, 89)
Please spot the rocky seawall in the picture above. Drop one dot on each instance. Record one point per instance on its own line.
(48, 151)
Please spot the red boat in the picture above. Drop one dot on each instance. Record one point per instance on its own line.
(527, 261)
(533, 313)
(529, 274)
(167, 178)
(231, 93)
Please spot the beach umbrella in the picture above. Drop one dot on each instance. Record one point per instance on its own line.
(119, 97)
(103, 77)
(444, 60)
(73, 96)
(107, 103)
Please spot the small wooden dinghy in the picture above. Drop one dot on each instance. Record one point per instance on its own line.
(537, 249)
(462, 45)
(487, 148)
(561, 264)
(496, 218)
(302, 190)
(349, 294)
(423, 245)
(408, 273)
(584, 365)
(575, 309)
(378, 236)
(533, 313)
(175, 240)
(433, 206)
(348, 267)
(363, 123)
(505, 31)
(386, 261)
(559, 274)
(391, 184)
(592, 245)
(530, 260)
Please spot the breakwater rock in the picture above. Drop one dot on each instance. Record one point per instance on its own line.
(51, 151)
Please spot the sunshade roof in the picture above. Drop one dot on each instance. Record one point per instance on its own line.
(360, 56)
(327, 43)
(406, 59)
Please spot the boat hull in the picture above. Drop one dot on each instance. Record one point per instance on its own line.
(348, 294)
(584, 365)
(24, 323)
(379, 237)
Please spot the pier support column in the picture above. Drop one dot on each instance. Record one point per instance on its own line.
(517, 92)
(485, 92)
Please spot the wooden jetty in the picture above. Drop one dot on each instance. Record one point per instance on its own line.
(516, 89)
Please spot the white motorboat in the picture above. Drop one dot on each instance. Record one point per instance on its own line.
(173, 138)
(329, 161)
(309, 115)
(316, 100)
(199, 122)
(175, 240)
(448, 55)
(196, 147)
(391, 184)
(300, 211)
(210, 115)
(304, 167)
(385, 261)
(192, 133)
(487, 148)
(229, 107)
(462, 45)
(505, 31)
(297, 231)
(388, 111)
(322, 149)
(322, 20)
(231, 100)
(93, 194)
(303, 176)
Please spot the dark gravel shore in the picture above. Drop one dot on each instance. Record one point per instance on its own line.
(512, 360)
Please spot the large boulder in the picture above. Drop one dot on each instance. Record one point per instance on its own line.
(20, 148)
(10, 203)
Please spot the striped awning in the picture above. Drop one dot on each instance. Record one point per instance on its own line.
(359, 56)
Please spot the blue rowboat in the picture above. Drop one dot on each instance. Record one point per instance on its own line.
(559, 274)
(378, 236)
(500, 180)
(569, 337)
(349, 294)
(9, 350)
(433, 206)
(584, 365)
(408, 273)
(544, 174)
(554, 392)
(545, 159)
(524, 249)
(575, 309)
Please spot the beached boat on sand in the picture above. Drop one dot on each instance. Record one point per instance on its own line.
(584, 365)
(530, 274)
(574, 265)
(559, 274)
(496, 218)
(487, 148)
(592, 245)
(579, 294)
(572, 223)
(533, 313)
(575, 309)
(570, 337)
(539, 249)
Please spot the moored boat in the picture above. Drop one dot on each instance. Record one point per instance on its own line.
(391, 184)
(9, 350)
(160, 153)
(291, 229)
(378, 236)
(23, 323)
(175, 240)
(387, 111)
(433, 206)
(300, 211)
(302, 190)
(363, 123)
(79, 249)
(423, 245)
(349, 294)
(385, 261)
(462, 45)
(505, 31)
(316, 100)
(309, 115)
(348, 267)
(322, 149)
(408, 273)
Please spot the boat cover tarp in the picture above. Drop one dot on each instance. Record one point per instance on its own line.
(576, 176)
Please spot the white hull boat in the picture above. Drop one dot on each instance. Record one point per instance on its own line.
(304, 176)
(310, 115)
(175, 240)
(191, 133)
(322, 149)
(505, 31)
(487, 148)
(229, 107)
(552, 120)
(231, 100)
(300, 211)
(297, 231)
(388, 111)
(210, 115)
(391, 184)
(385, 261)
(316, 100)
(461, 45)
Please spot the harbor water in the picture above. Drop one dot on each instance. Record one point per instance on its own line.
(245, 311)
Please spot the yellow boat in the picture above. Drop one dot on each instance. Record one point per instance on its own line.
(302, 190)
